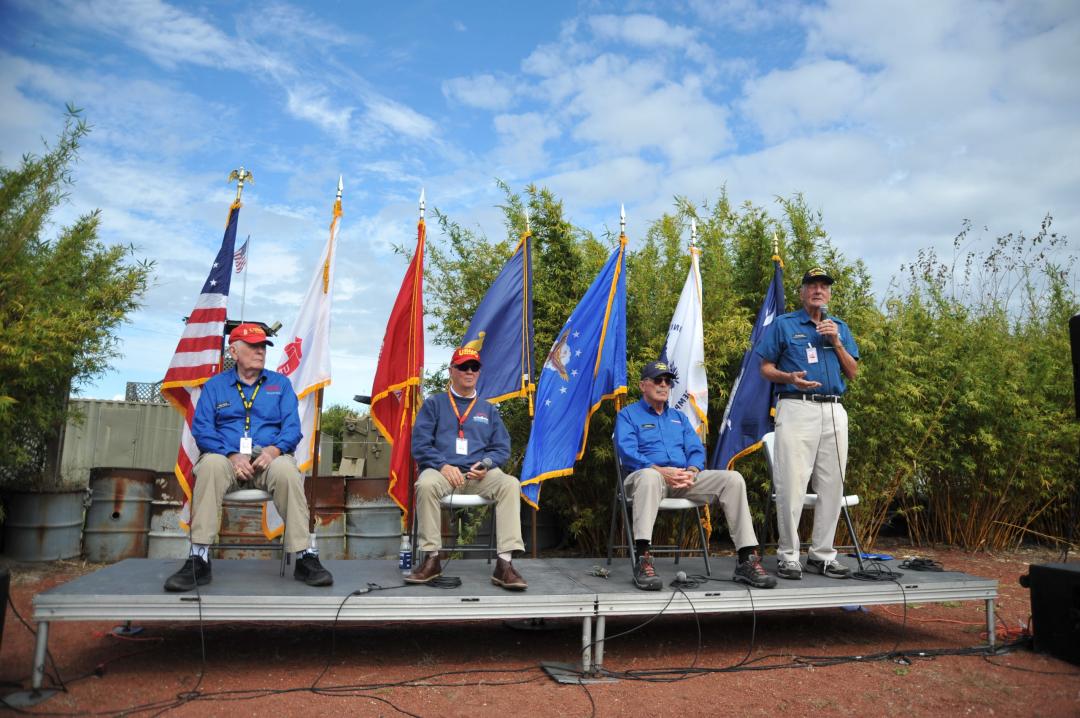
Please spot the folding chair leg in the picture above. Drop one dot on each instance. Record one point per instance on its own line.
(611, 529)
(491, 532)
(704, 541)
(628, 532)
(681, 535)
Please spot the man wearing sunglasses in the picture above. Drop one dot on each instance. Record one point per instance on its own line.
(664, 455)
(458, 442)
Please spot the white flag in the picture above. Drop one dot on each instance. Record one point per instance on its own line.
(306, 354)
(685, 353)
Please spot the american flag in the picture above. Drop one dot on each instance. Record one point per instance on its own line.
(198, 353)
(240, 258)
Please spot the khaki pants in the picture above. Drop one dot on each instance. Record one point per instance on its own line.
(214, 477)
(646, 488)
(431, 486)
(808, 447)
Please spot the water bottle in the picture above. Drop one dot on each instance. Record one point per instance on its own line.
(405, 555)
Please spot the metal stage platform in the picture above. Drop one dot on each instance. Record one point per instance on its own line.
(252, 590)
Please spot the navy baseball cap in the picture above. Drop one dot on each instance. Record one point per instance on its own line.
(817, 274)
(655, 369)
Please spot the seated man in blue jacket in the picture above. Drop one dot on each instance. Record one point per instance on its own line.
(665, 456)
(458, 442)
(247, 426)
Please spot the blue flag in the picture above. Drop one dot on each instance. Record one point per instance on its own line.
(586, 365)
(502, 330)
(748, 415)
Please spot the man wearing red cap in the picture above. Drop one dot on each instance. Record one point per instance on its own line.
(458, 442)
(247, 426)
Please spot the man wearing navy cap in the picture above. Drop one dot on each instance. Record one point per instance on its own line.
(458, 441)
(811, 355)
(247, 426)
(662, 451)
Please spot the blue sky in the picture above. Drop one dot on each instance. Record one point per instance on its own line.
(897, 120)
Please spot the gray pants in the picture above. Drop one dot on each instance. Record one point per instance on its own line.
(808, 447)
(646, 488)
(431, 486)
(215, 476)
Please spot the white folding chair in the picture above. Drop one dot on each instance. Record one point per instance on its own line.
(255, 496)
(458, 504)
(809, 500)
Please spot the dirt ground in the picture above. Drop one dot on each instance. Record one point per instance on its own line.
(790, 663)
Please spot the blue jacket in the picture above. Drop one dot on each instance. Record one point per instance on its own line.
(218, 423)
(785, 345)
(434, 435)
(644, 438)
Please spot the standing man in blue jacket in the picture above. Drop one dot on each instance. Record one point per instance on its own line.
(458, 442)
(664, 456)
(809, 354)
(247, 426)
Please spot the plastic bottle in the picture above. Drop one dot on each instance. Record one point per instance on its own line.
(405, 554)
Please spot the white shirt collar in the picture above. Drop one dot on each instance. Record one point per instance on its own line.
(470, 396)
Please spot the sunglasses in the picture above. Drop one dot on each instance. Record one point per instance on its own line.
(470, 367)
(662, 380)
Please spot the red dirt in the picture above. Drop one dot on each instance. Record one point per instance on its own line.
(487, 669)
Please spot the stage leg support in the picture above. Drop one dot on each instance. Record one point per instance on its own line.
(598, 662)
(37, 672)
(586, 645)
(991, 630)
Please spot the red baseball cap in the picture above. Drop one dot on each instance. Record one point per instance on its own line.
(249, 334)
(464, 354)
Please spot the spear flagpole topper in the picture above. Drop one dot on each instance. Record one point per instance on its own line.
(422, 203)
(622, 218)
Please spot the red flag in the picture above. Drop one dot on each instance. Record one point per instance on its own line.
(198, 353)
(395, 394)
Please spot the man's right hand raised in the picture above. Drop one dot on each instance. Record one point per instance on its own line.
(453, 475)
(799, 380)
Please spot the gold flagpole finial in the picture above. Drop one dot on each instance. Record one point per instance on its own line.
(775, 244)
(240, 176)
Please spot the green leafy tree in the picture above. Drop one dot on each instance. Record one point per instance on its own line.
(62, 299)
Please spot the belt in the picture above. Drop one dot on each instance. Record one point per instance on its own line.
(820, 398)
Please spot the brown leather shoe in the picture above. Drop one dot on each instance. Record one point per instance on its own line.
(507, 576)
(429, 569)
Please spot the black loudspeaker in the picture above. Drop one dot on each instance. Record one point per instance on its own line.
(1055, 609)
(1074, 342)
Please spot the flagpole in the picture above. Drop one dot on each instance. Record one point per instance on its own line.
(243, 293)
(240, 176)
(412, 395)
(309, 488)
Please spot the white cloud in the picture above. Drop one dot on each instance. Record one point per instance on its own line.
(482, 91)
(805, 99)
(399, 118)
(311, 104)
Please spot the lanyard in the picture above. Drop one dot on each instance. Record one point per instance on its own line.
(461, 417)
(248, 403)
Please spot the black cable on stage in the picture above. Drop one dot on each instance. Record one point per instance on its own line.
(922, 564)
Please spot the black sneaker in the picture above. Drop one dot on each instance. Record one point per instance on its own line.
(310, 571)
(751, 572)
(645, 576)
(194, 572)
(828, 569)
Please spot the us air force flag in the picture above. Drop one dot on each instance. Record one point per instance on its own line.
(748, 416)
(586, 365)
(502, 329)
(684, 352)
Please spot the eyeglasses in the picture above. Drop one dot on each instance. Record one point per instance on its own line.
(663, 380)
(470, 367)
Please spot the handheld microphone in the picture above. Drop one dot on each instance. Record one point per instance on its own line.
(487, 463)
(681, 577)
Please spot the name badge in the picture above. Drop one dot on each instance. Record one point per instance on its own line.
(245, 445)
(462, 446)
(811, 355)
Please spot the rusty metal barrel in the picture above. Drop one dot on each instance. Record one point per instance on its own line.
(167, 538)
(330, 515)
(44, 526)
(372, 519)
(118, 520)
(241, 523)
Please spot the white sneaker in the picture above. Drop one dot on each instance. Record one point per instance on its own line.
(789, 569)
